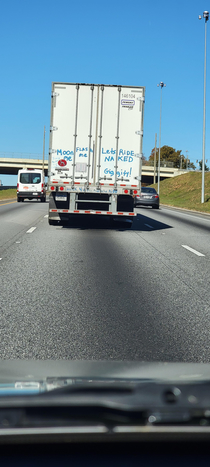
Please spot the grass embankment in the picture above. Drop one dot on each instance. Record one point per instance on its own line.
(184, 191)
(8, 194)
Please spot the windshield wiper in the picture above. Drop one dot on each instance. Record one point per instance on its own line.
(112, 409)
(144, 404)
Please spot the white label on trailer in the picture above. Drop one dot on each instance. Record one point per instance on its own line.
(127, 103)
(81, 167)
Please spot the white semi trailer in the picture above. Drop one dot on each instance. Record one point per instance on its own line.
(95, 153)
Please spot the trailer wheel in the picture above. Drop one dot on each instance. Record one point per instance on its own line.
(52, 222)
(125, 203)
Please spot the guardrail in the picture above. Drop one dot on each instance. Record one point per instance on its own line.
(2, 187)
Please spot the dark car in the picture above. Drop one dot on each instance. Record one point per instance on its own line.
(148, 197)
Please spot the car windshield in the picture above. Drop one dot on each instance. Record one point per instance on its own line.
(148, 190)
(107, 257)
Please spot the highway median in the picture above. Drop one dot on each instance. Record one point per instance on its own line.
(10, 193)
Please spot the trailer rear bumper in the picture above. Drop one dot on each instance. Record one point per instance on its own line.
(56, 213)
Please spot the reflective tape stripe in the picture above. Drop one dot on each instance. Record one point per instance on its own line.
(77, 211)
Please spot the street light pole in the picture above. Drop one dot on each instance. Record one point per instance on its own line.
(43, 150)
(186, 159)
(155, 159)
(161, 84)
(181, 162)
(206, 17)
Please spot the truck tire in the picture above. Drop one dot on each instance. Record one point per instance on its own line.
(18, 200)
(52, 222)
(125, 203)
(43, 200)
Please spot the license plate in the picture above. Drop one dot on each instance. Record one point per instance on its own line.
(35, 194)
(148, 197)
(61, 198)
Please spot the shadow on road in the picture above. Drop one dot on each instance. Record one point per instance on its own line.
(140, 223)
(32, 201)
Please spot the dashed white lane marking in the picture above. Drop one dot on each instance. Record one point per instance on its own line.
(0, 259)
(192, 250)
(46, 215)
(31, 230)
(150, 226)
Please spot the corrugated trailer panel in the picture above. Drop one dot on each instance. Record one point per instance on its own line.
(89, 124)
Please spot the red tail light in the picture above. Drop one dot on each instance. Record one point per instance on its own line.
(17, 186)
(135, 192)
(126, 191)
(52, 188)
(156, 196)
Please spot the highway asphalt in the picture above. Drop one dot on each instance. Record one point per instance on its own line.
(95, 292)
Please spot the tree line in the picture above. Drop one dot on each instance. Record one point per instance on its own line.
(169, 154)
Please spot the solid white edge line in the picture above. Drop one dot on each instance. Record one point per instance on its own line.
(192, 250)
(31, 230)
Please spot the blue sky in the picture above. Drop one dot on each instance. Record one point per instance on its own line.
(137, 43)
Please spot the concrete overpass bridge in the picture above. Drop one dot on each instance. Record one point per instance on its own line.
(11, 165)
(148, 173)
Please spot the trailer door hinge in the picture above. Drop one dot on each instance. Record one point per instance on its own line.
(138, 155)
(140, 132)
(52, 151)
(53, 128)
(142, 99)
(54, 94)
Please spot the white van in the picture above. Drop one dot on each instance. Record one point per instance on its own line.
(31, 184)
